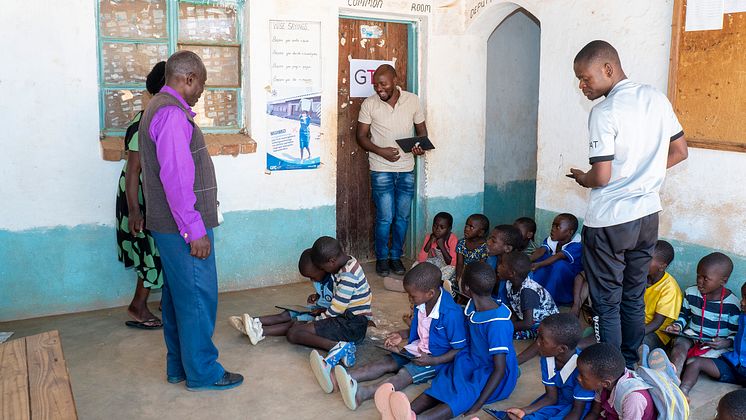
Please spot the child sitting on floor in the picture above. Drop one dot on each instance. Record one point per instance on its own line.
(278, 325)
(730, 367)
(563, 398)
(485, 373)
(529, 302)
(662, 297)
(558, 260)
(602, 368)
(503, 239)
(709, 311)
(473, 247)
(439, 247)
(527, 226)
(732, 406)
(437, 334)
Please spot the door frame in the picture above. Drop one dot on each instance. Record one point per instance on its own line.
(413, 26)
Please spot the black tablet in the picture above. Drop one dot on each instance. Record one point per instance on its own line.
(498, 414)
(297, 308)
(396, 351)
(408, 143)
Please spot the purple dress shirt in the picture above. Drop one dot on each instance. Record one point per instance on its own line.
(171, 132)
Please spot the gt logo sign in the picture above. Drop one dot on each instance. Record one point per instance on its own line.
(361, 76)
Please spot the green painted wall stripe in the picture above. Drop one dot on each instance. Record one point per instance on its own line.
(74, 269)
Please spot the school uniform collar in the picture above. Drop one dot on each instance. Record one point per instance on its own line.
(435, 312)
(553, 244)
(566, 370)
(496, 314)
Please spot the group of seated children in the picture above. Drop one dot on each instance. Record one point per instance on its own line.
(468, 353)
(343, 298)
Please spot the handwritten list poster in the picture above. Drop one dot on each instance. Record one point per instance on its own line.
(295, 58)
(294, 103)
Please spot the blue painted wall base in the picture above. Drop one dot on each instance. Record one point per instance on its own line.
(62, 270)
(507, 202)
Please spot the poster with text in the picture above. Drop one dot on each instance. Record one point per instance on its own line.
(294, 103)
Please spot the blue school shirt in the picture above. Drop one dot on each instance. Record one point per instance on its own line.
(738, 355)
(325, 290)
(447, 329)
(573, 250)
(460, 383)
(565, 379)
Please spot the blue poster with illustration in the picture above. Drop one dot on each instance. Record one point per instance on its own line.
(294, 102)
(294, 134)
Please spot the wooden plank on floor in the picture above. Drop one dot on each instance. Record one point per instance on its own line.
(14, 380)
(49, 382)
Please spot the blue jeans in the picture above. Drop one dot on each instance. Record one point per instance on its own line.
(392, 195)
(189, 305)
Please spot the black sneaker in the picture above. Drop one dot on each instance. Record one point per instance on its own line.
(397, 267)
(382, 268)
(228, 381)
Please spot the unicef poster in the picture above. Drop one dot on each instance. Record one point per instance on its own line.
(294, 104)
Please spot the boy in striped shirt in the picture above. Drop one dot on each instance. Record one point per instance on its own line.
(709, 313)
(346, 320)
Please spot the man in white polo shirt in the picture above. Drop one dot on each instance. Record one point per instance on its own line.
(634, 137)
(389, 115)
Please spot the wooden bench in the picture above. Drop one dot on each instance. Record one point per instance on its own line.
(34, 382)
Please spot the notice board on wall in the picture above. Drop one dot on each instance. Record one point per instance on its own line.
(707, 81)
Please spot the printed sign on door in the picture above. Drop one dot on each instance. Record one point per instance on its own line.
(361, 76)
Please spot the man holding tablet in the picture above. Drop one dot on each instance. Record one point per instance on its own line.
(390, 114)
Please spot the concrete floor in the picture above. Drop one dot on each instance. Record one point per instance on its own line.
(119, 372)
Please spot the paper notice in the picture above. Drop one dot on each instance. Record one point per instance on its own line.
(704, 15)
(735, 6)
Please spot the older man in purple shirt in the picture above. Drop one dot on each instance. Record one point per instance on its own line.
(181, 191)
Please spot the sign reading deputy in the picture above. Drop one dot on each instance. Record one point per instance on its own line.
(361, 76)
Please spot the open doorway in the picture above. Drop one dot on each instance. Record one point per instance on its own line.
(511, 118)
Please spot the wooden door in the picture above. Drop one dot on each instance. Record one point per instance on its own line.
(355, 210)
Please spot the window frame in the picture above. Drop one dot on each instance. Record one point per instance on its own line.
(172, 44)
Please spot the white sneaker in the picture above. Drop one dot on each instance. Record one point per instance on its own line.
(253, 329)
(237, 323)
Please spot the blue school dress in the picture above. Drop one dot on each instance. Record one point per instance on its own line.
(501, 291)
(568, 389)
(558, 277)
(459, 384)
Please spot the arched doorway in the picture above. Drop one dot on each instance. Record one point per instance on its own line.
(511, 120)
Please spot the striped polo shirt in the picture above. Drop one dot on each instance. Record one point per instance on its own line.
(387, 124)
(691, 316)
(351, 292)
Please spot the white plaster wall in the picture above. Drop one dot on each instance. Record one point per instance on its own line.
(50, 165)
(53, 173)
(512, 100)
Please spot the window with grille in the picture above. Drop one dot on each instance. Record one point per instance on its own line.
(134, 35)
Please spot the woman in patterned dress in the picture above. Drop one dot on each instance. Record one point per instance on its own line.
(135, 247)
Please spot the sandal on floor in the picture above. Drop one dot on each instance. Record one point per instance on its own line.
(149, 324)
(401, 407)
(322, 371)
(382, 398)
(347, 387)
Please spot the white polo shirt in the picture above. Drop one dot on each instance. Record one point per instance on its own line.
(632, 127)
(388, 124)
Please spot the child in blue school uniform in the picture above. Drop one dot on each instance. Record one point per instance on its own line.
(559, 259)
(279, 324)
(436, 336)
(502, 240)
(485, 373)
(564, 397)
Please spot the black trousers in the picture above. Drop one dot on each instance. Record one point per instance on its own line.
(616, 261)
